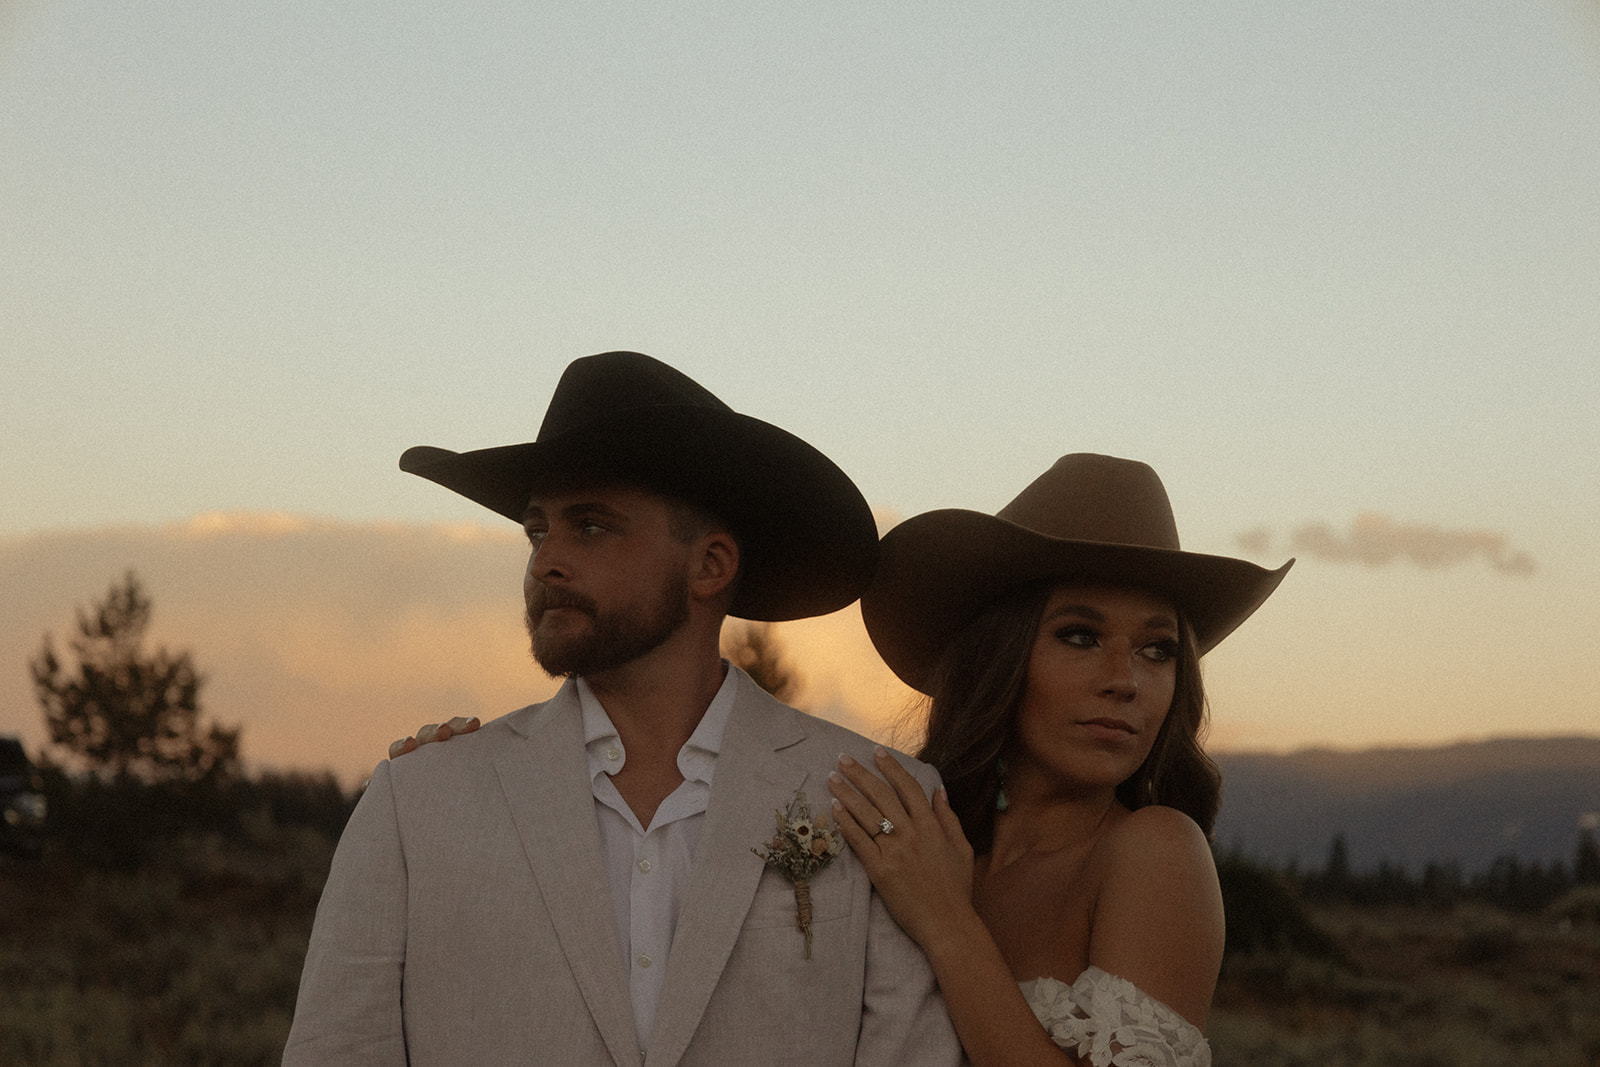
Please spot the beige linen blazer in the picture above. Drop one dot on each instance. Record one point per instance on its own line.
(467, 919)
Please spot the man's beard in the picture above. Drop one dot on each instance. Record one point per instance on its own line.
(613, 638)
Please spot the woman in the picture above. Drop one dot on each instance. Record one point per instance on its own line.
(1059, 641)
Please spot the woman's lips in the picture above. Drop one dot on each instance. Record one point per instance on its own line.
(1108, 729)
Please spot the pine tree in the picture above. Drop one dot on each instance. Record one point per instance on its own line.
(123, 713)
(1586, 862)
(1337, 872)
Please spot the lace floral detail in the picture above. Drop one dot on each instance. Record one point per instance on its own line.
(1109, 1022)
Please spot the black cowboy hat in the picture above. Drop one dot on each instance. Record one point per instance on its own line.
(1089, 518)
(807, 540)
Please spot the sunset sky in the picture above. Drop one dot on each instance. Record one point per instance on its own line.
(1333, 269)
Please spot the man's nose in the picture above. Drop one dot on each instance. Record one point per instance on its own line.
(548, 561)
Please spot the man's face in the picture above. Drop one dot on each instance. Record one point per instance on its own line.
(607, 580)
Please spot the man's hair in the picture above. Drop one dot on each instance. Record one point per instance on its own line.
(978, 688)
(686, 521)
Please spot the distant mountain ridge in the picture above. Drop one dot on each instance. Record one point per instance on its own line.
(1465, 804)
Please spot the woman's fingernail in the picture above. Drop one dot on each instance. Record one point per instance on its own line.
(835, 777)
(881, 752)
(846, 761)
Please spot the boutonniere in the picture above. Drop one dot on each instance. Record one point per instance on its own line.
(800, 849)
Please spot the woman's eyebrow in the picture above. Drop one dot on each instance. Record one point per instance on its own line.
(1082, 611)
(1158, 621)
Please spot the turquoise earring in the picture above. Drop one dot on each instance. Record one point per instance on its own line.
(1001, 802)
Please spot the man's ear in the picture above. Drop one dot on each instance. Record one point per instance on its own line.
(714, 565)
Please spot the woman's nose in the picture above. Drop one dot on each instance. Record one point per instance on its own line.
(1119, 680)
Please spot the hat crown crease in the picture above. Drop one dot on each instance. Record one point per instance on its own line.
(612, 384)
(1087, 497)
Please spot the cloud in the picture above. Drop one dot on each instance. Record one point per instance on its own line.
(1256, 541)
(1376, 541)
(327, 640)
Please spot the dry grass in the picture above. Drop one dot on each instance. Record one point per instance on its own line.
(1422, 988)
(194, 960)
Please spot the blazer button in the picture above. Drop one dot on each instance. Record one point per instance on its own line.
(644, 961)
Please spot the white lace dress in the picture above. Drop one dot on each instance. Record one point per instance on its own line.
(1108, 1022)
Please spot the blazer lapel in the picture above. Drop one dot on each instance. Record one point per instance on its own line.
(749, 775)
(546, 786)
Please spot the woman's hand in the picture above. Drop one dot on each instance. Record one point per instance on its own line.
(922, 866)
(434, 731)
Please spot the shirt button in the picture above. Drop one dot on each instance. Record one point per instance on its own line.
(613, 753)
(644, 866)
(644, 961)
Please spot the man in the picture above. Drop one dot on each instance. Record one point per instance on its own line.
(577, 882)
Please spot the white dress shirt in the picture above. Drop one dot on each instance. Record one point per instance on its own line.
(649, 867)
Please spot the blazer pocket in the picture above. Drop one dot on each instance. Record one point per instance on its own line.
(774, 903)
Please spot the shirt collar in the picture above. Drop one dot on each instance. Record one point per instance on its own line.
(696, 759)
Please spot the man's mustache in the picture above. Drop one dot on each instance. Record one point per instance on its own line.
(546, 598)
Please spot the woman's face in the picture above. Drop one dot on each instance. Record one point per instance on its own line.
(1100, 681)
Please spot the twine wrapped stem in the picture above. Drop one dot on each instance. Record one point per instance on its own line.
(802, 910)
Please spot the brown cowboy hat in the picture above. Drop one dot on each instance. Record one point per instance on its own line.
(807, 540)
(1088, 518)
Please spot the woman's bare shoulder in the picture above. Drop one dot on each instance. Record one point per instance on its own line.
(1158, 919)
(1156, 834)
(1157, 864)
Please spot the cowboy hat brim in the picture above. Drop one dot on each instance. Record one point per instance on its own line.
(808, 542)
(937, 572)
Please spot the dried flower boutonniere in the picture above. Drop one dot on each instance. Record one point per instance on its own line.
(800, 849)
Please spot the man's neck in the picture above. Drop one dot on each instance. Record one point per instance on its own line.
(658, 702)
(655, 702)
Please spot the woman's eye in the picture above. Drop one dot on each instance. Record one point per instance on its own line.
(1162, 651)
(1077, 636)
(535, 536)
(589, 529)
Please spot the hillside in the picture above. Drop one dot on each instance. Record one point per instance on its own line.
(1465, 804)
